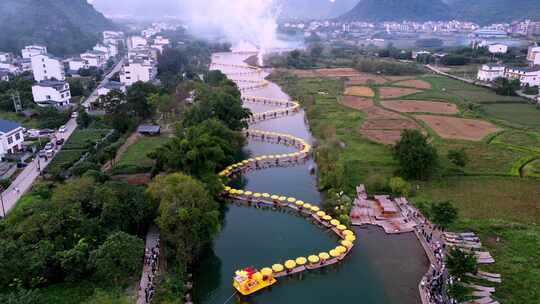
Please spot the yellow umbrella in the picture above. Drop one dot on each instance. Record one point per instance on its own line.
(291, 200)
(265, 195)
(341, 249)
(240, 192)
(290, 264)
(335, 222)
(307, 206)
(350, 237)
(341, 227)
(266, 271)
(274, 197)
(346, 243)
(257, 276)
(258, 158)
(221, 174)
(301, 261)
(321, 214)
(315, 208)
(327, 218)
(248, 193)
(334, 253)
(232, 191)
(277, 267)
(324, 256)
(313, 259)
(299, 203)
(347, 232)
(245, 162)
(227, 188)
(282, 198)
(257, 195)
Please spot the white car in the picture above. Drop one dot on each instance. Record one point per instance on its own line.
(62, 129)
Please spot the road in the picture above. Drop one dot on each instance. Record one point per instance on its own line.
(94, 96)
(26, 178)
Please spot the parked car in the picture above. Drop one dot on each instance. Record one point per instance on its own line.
(62, 129)
(42, 154)
(49, 147)
(60, 142)
(21, 165)
(74, 114)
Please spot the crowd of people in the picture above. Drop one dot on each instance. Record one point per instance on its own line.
(151, 263)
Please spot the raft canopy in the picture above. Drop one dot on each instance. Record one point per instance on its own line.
(274, 197)
(266, 271)
(327, 218)
(301, 261)
(321, 213)
(291, 199)
(335, 222)
(341, 249)
(265, 195)
(347, 232)
(324, 256)
(313, 259)
(277, 268)
(290, 264)
(350, 238)
(346, 243)
(341, 227)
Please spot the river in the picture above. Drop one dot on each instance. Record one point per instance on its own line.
(380, 269)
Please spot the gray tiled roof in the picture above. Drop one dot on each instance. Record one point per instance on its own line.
(7, 126)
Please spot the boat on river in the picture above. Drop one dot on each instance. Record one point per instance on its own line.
(250, 280)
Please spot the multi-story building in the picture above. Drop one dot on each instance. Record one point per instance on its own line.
(498, 48)
(533, 55)
(47, 67)
(33, 50)
(490, 72)
(76, 64)
(11, 137)
(136, 41)
(112, 37)
(51, 93)
(137, 70)
(6, 57)
(527, 76)
(95, 59)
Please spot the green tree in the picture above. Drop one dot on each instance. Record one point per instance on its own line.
(137, 99)
(119, 257)
(458, 157)
(188, 216)
(84, 119)
(113, 101)
(417, 158)
(443, 213)
(399, 186)
(458, 292)
(506, 87)
(74, 261)
(460, 262)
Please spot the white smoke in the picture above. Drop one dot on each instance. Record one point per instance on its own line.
(242, 22)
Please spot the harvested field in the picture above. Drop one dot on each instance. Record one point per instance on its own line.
(388, 137)
(358, 103)
(390, 124)
(359, 91)
(414, 83)
(368, 79)
(421, 106)
(377, 113)
(458, 128)
(338, 72)
(391, 92)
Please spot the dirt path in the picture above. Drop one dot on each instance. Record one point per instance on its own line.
(131, 140)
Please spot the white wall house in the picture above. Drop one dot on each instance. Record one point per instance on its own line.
(490, 72)
(136, 41)
(33, 50)
(6, 57)
(11, 137)
(95, 58)
(47, 67)
(533, 55)
(10, 67)
(527, 76)
(105, 88)
(112, 37)
(137, 71)
(51, 93)
(75, 64)
(498, 48)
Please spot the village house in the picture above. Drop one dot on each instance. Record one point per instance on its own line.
(51, 93)
(533, 55)
(32, 50)
(137, 70)
(109, 86)
(112, 37)
(95, 59)
(490, 72)
(136, 41)
(6, 57)
(76, 64)
(498, 48)
(11, 137)
(527, 76)
(47, 67)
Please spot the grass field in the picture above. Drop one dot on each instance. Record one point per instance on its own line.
(492, 200)
(135, 159)
(29, 123)
(84, 139)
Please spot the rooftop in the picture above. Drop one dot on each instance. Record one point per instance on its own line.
(113, 85)
(58, 85)
(7, 126)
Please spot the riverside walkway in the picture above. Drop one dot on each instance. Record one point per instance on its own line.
(249, 78)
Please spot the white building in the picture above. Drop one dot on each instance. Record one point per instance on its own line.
(105, 88)
(95, 59)
(47, 67)
(137, 71)
(112, 37)
(55, 93)
(75, 64)
(533, 55)
(11, 137)
(527, 76)
(136, 41)
(490, 72)
(33, 50)
(498, 48)
(11, 67)
(6, 57)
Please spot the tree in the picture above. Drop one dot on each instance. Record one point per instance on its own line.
(399, 186)
(137, 98)
(417, 158)
(119, 257)
(84, 119)
(316, 50)
(112, 101)
(458, 292)
(443, 213)
(455, 60)
(188, 216)
(74, 261)
(458, 157)
(506, 87)
(460, 262)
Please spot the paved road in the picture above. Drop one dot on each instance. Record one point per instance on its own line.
(26, 178)
(94, 96)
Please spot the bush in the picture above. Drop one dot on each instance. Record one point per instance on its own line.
(455, 60)
(458, 157)
(399, 186)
